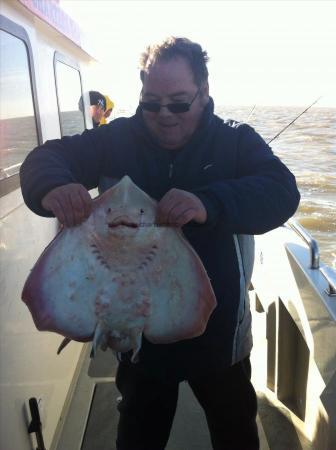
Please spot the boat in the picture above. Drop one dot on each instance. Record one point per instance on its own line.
(68, 401)
(293, 298)
(44, 60)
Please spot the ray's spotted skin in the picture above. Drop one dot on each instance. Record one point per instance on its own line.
(118, 276)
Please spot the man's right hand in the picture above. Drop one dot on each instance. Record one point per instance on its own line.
(71, 204)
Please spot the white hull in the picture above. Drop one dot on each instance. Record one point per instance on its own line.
(294, 328)
(29, 364)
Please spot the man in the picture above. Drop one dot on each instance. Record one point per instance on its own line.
(97, 107)
(216, 180)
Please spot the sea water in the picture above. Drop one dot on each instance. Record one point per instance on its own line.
(308, 148)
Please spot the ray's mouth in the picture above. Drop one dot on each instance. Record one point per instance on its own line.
(123, 223)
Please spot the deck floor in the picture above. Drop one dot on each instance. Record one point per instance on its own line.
(95, 399)
(189, 430)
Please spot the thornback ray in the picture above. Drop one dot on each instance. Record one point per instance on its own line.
(119, 276)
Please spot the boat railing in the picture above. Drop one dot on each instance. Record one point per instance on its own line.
(328, 273)
(310, 241)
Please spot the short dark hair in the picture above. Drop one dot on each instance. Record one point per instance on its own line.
(96, 98)
(173, 47)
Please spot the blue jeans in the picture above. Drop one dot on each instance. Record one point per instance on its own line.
(148, 407)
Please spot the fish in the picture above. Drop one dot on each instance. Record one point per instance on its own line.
(119, 276)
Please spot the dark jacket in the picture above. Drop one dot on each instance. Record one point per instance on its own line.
(245, 188)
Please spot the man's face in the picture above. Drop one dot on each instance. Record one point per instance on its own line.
(107, 113)
(172, 82)
(97, 113)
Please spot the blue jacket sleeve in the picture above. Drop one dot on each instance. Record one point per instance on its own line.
(72, 159)
(261, 197)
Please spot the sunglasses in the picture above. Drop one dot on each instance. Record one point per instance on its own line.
(175, 108)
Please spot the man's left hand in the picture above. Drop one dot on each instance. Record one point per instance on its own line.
(178, 207)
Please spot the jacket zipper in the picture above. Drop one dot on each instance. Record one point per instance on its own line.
(171, 168)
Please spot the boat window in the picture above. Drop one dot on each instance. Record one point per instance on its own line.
(69, 92)
(17, 118)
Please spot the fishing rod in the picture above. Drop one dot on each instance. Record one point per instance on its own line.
(251, 112)
(287, 126)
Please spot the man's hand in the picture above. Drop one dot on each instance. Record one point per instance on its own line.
(179, 207)
(71, 204)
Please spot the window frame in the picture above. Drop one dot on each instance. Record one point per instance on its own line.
(12, 182)
(59, 57)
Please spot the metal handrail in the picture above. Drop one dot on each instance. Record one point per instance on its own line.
(309, 240)
(330, 275)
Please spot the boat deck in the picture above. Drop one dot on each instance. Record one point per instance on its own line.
(189, 430)
(91, 422)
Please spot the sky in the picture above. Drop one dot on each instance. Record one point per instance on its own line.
(261, 52)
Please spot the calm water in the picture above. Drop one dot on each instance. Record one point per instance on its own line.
(308, 148)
